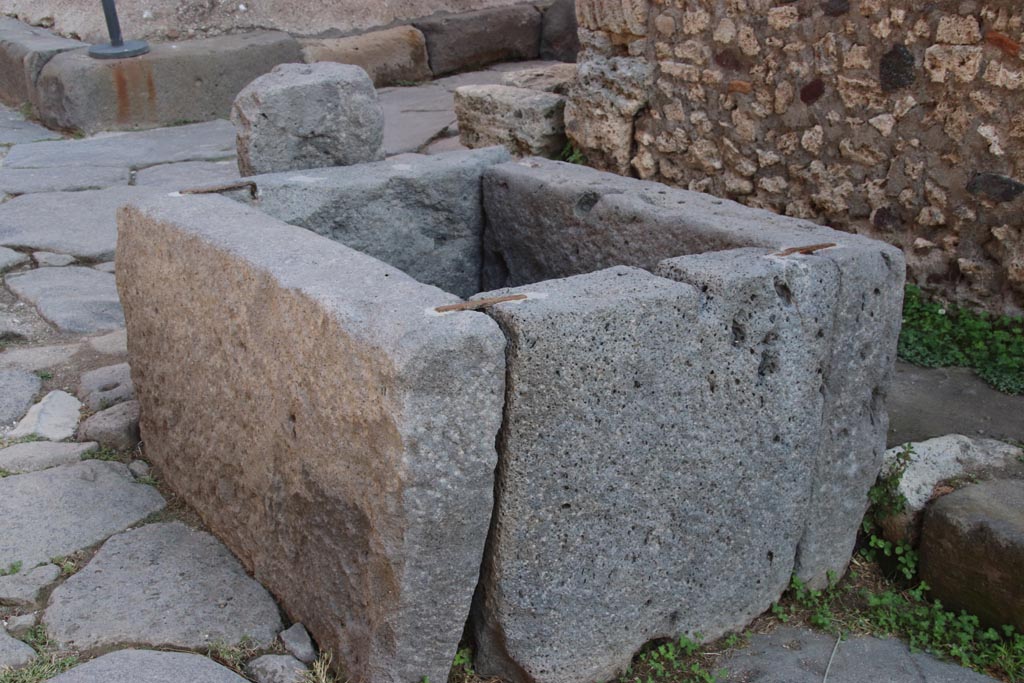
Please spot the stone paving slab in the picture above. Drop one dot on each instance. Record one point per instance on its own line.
(82, 224)
(75, 299)
(54, 418)
(209, 141)
(63, 510)
(42, 455)
(17, 390)
(792, 655)
(162, 585)
(23, 590)
(188, 174)
(10, 258)
(15, 130)
(148, 666)
(14, 654)
(17, 181)
(38, 357)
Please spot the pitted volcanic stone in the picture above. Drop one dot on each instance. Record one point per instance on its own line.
(614, 441)
(84, 503)
(23, 590)
(146, 666)
(420, 214)
(548, 219)
(75, 298)
(328, 406)
(457, 42)
(161, 585)
(104, 387)
(308, 116)
(116, 427)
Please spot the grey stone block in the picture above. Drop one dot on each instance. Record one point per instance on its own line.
(24, 50)
(276, 669)
(38, 357)
(16, 181)
(197, 595)
(420, 214)
(41, 455)
(116, 427)
(361, 452)
(85, 503)
(188, 81)
(14, 654)
(136, 666)
(188, 174)
(296, 641)
(460, 41)
(10, 258)
(308, 116)
(972, 549)
(75, 299)
(620, 475)
(392, 56)
(48, 259)
(15, 130)
(527, 122)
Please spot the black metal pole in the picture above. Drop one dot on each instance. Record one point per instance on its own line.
(118, 47)
(113, 24)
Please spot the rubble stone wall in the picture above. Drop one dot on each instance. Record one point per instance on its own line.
(897, 120)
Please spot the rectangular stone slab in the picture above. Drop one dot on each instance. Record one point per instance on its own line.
(184, 82)
(655, 461)
(421, 214)
(547, 219)
(332, 429)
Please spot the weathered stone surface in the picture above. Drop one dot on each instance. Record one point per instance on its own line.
(24, 50)
(559, 39)
(212, 141)
(116, 427)
(38, 357)
(601, 111)
(172, 19)
(146, 666)
(48, 259)
(82, 224)
(391, 57)
(460, 41)
(22, 590)
(188, 81)
(197, 594)
(296, 641)
(21, 625)
(16, 181)
(139, 469)
(554, 78)
(54, 418)
(104, 387)
(10, 258)
(972, 549)
(18, 388)
(84, 503)
(308, 116)
(106, 267)
(41, 455)
(14, 654)
(188, 174)
(421, 214)
(276, 669)
(415, 116)
(998, 188)
(930, 402)
(15, 130)
(527, 122)
(380, 485)
(802, 656)
(897, 69)
(75, 299)
(951, 460)
(112, 344)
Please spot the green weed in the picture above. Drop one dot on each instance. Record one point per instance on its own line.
(44, 374)
(940, 335)
(12, 568)
(677, 661)
(887, 501)
(44, 668)
(572, 155)
(321, 672)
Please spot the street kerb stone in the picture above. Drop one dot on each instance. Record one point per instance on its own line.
(361, 451)
(460, 41)
(392, 56)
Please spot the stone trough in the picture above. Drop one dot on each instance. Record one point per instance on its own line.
(680, 404)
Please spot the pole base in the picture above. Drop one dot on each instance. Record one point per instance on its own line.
(131, 48)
